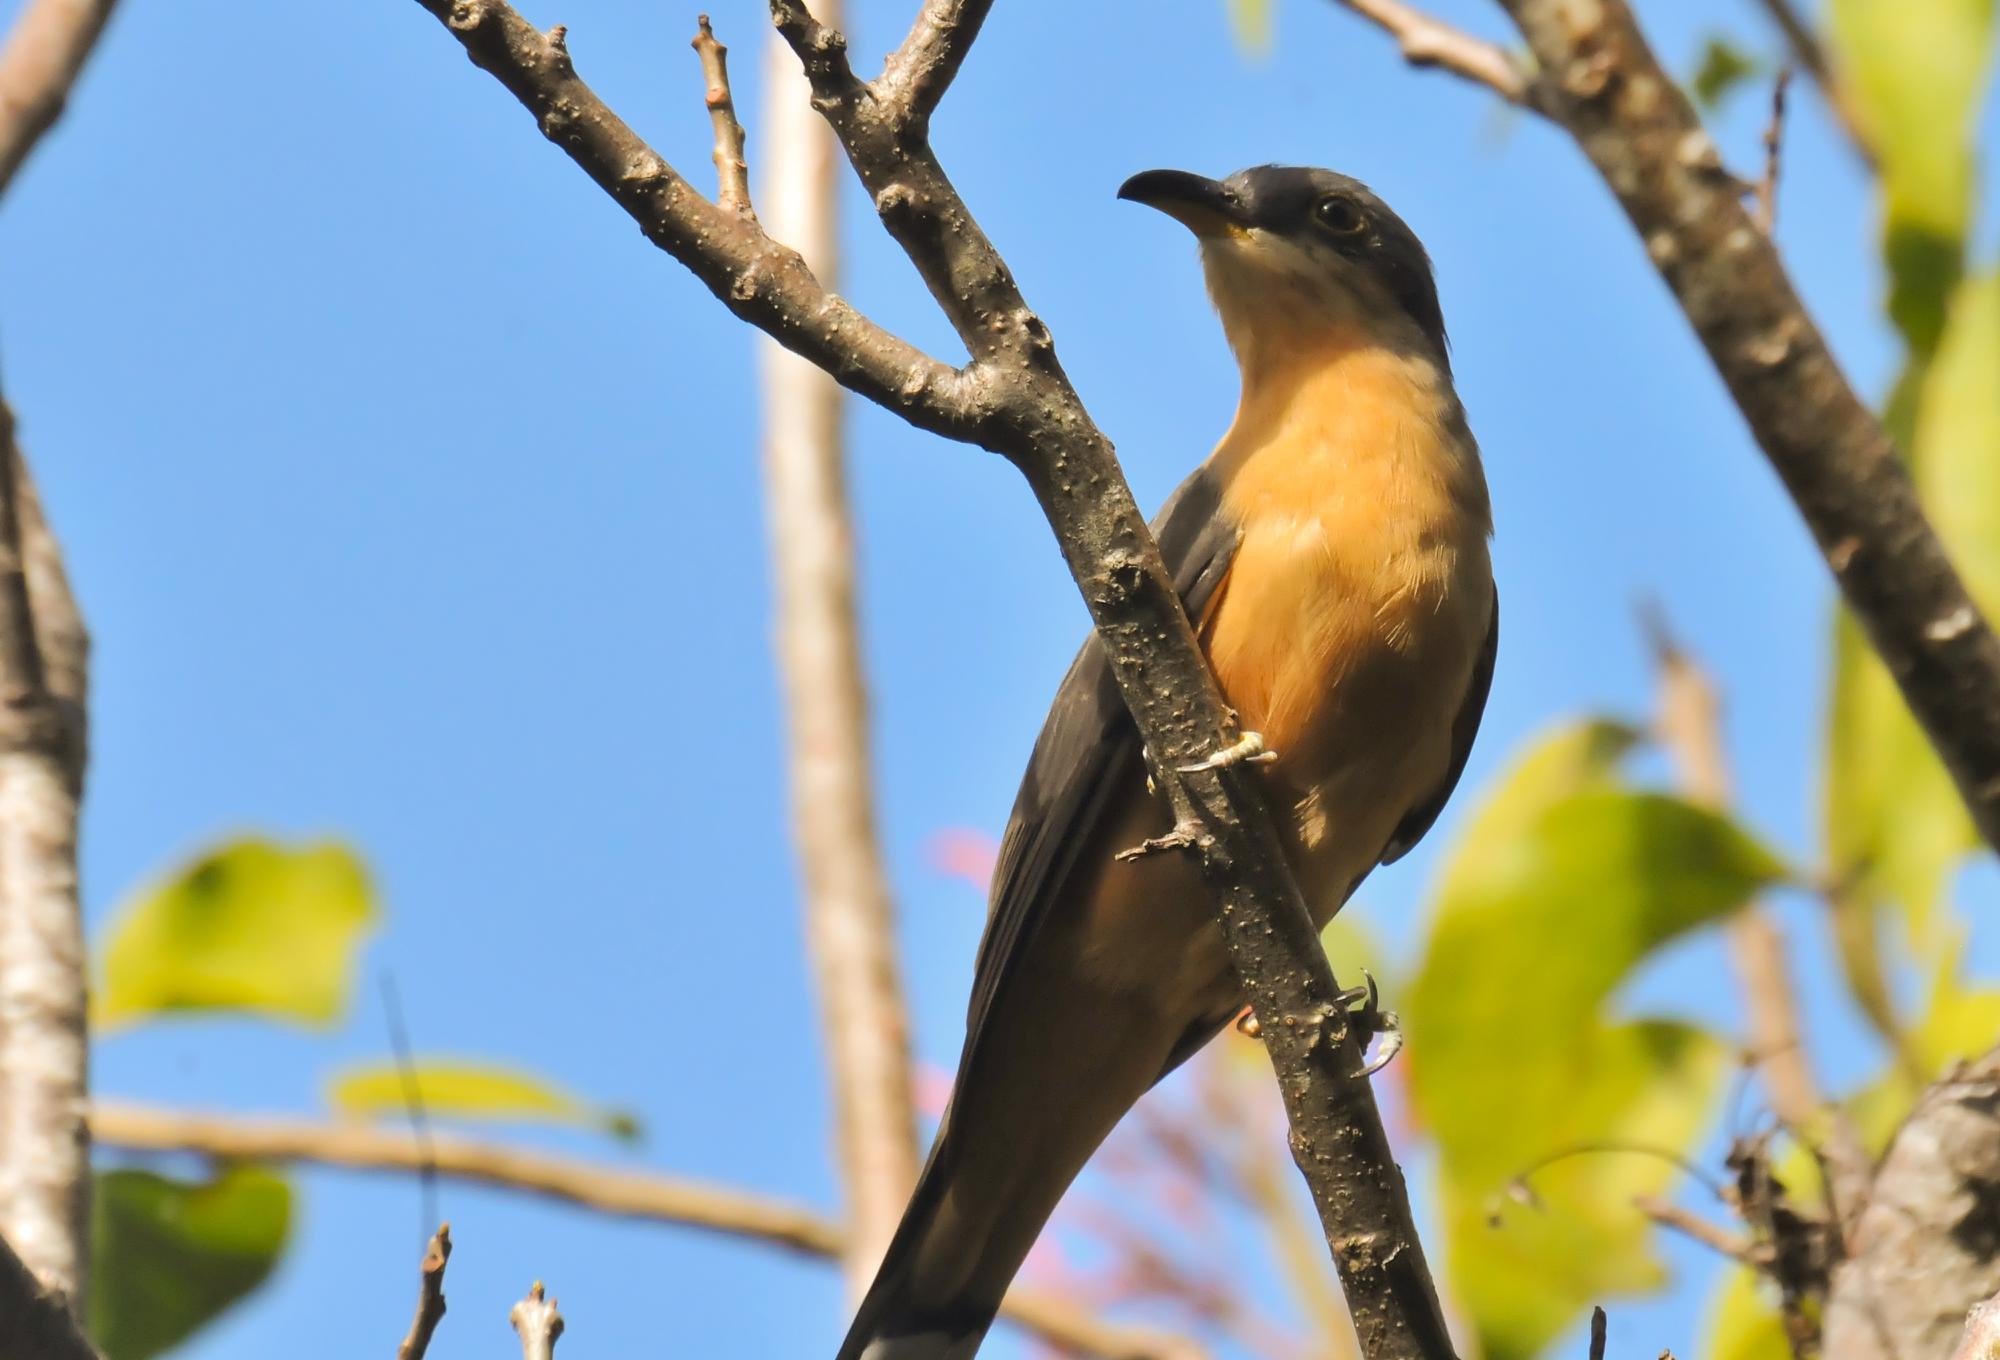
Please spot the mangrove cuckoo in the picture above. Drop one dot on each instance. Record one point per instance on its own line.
(1332, 555)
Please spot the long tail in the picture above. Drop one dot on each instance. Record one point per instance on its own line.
(893, 1322)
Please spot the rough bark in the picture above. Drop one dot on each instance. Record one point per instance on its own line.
(850, 914)
(1927, 1246)
(44, 1047)
(1601, 82)
(1015, 399)
(43, 57)
(35, 1324)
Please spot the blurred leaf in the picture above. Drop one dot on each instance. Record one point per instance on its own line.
(1251, 21)
(1895, 827)
(253, 926)
(1957, 1022)
(1743, 1325)
(171, 1256)
(1917, 70)
(470, 1090)
(1564, 881)
(1724, 66)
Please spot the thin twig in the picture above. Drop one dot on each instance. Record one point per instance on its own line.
(849, 906)
(1774, 145)
(1426, 41)
(1015, 399)
(413, 1097)
(1690, 728)
(1601, 82)
(615, 1191)
(40, 63)
(1810, 54)
(732, 169)
(430, 1296)
(538, 1323)
(1735, 1245)
(1600, 1329)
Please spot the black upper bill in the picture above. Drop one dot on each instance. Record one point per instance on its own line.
(1204, 206)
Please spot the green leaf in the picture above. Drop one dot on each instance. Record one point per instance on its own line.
(252, 926)
(1743, 1325)
(1566, 879)
(471, 1090)
(1251, 22)
(172, 1256)
(1895, 826)
(1724, 67)
(1917, 71)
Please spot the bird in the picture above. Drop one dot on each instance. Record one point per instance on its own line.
(1332, 553)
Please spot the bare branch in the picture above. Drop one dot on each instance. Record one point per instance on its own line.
(1982, 1332)
(918, 73)
(1810, 54)
(41, 61)
(1690, 727)
(538, 1323)
(732, 171)
(1016, 400)
(430, 1297)
(1600, 1329)
(44, 1048)
(649, 1196)
(1603, 84)
(1926, 1248)
(1667, 1214)
(1426, 41)
(1774, 145)
(849, 909)
(35, 1324)
(757, 278)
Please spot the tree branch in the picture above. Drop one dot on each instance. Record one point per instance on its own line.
(732, 170)
(35, 1324)
(1690, 727)
(1426, 41)
(1927, 1247)
(44, 1048)
(538, 1323)
(1810, 54)
(1604, 85)
(918, 73)
(1016, 400)
(41, 61)
(849, 909)
(430, 1297)
(620, 1193)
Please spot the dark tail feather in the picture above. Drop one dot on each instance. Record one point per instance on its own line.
(892, 1323)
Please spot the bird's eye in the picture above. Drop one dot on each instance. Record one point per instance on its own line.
(1339, 215)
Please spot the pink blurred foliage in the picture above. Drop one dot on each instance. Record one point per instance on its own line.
(965, 853)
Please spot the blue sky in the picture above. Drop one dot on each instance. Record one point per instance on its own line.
(413, 498)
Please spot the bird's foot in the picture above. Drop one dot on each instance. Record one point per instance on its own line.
(1182, 837)
(1369, 1022)
(1248, 749)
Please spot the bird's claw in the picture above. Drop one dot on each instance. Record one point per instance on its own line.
(1248, 749)
(1182, 837)
(1368, 1021)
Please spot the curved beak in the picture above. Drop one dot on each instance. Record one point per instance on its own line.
(1206, 207)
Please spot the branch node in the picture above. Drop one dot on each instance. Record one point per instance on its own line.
(732, 168)
(538, 1323)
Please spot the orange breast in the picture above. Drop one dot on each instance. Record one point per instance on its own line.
(1358, 600)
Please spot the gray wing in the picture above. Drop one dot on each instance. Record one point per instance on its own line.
(1088, 750)
(1464, 728)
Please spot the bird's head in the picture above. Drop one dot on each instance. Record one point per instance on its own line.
(1299, 259)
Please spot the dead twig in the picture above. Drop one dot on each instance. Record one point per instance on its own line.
(430, 1296)
(1426, 41)
(1774, 143)
(1809, 53)
(732, 169)
(538, 1323)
